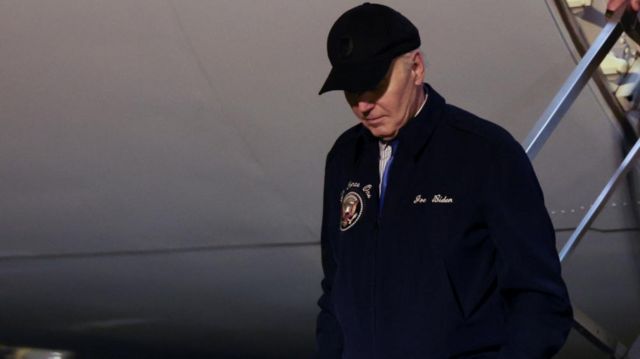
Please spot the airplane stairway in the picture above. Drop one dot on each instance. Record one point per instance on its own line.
(620, 21)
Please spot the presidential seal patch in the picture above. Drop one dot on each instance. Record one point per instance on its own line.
(352, 207)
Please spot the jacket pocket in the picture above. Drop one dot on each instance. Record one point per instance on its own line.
(454, 292)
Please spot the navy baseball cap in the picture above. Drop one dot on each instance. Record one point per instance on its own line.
(363, 42)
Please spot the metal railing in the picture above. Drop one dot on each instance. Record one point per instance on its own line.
(542, 130)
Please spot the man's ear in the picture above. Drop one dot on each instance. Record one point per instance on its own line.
(418, 68)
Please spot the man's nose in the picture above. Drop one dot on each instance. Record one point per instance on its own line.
(365, 106)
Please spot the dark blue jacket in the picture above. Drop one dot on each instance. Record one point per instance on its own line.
(461, 261)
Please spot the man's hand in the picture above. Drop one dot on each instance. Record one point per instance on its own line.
(614, 5)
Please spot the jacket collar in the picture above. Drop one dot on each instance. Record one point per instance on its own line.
(415, 134)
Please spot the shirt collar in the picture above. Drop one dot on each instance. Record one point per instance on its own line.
(426, 96)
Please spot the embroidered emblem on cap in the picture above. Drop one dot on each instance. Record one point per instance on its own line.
(352, 207)
(346, 47)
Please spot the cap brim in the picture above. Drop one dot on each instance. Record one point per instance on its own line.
(356, 77)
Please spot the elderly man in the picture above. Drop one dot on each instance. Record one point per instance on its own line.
(435, 239)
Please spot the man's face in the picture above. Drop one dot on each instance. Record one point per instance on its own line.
(385, 109)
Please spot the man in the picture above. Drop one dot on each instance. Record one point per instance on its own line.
(435, 239)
